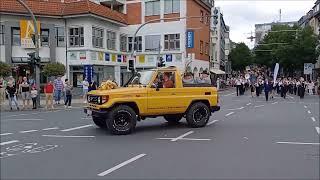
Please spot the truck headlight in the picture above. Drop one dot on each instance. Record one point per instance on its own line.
(103, 99)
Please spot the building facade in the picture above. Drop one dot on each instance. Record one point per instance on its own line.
(97, 36)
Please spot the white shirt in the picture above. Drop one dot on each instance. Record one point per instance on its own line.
(85, 84)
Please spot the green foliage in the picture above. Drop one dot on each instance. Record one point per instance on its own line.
(5, 69)
(54, 69)
(298, 47)
(240, 57)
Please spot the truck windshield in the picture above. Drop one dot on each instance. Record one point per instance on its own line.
(142, 78)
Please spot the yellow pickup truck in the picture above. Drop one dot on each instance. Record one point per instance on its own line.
(149, 94)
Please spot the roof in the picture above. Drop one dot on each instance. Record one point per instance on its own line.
(62, 9)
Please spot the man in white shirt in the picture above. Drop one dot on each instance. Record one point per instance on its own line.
(85, 87)
(238, 85)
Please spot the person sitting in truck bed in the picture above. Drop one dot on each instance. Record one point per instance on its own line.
(167, 83)
(204, 78)
(188, 78)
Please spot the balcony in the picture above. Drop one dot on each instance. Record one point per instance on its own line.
(113, 2)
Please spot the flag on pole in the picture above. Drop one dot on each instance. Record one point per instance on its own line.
(275, 73)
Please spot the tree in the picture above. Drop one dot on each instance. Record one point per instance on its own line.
(5, 69)
(54, 69)
(240, 57)
(291, 47)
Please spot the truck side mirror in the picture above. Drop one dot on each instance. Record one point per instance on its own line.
(156, 86)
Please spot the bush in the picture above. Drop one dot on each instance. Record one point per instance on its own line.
(54, 69)
(5, 69)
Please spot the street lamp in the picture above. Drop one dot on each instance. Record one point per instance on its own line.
(35, 57)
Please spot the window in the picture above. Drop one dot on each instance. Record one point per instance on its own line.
(44, 37)
(97, 37)
(1, 34)
(76, 38)
(123, 43)
(60, 37)
(138, 43)
(16, 37)
(111, 40)
(152, 8)
(201, 47)
(167, 80)
(171, 6)
(152, 42)
(201, 14)
(206, 49)
(172, 42)
(207, 19)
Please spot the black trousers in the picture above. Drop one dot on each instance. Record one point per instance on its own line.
(257, 91)
(68, 100)
(267, 95)
(238, 90)
(34, 102)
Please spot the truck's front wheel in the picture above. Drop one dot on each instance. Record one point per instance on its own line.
(121, 120)
(198, 115)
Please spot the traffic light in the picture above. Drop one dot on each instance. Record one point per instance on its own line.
(161, 62)
(32, 59)
(131, 64)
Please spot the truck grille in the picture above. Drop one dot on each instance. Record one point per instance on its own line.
(94, 99)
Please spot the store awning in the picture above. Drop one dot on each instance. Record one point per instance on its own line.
(217, 71)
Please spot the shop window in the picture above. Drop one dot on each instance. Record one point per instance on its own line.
(16, 41)
(171, 42)
(44, 35)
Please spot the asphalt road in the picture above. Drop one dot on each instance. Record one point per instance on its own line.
(248, 139)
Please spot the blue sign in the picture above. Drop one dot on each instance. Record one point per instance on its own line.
(107, 57)
(119, 58)
(88, 72)
(169, 57)
(190, 39)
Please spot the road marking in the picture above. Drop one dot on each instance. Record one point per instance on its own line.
(68, 136)
(183, 135)
(309, 112)
(318, 130)
(46, 129)
(193, 139)
(290, 97)
(28, 131)
(248, 104)
(24, 119)
(305, 107)
(229, 114)
(313, 119)
(230, 94)
(8, 142)
(212, 122)
(275, 103)
(298, 143)
(235, 109)
(121, 165)
(75, 128)
(4, 134)
(259, 106)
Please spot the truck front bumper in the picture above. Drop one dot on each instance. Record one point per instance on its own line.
(215, 108)
(92, 111)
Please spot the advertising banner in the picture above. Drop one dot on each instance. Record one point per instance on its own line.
(26, 31)
(88, 72)
(190, 39)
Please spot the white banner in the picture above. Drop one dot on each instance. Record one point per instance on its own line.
(308, 67)
(275, 73)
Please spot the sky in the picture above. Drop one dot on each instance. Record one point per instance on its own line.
(242, 15)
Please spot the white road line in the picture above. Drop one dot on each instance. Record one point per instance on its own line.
(68, 136)
(183, 135)
(121, 165)
(290, 97)
(28, 131)
(298, 143)
(212, 122)
(235, 109)
(313, 119)
(229, 114)
(75, 128)
(305, 107)
(24, 119)
(248, 104)
(46, 129)
(318, 130)
(5, 134)
(259, 106)
(15, 115)
(193, 139)
(275, 103)
(309, 112)
(8, 142)
(230, 94)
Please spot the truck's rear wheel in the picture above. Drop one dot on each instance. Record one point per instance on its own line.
(198, 115)
(99, 121)
(175, 118)
(121, 120)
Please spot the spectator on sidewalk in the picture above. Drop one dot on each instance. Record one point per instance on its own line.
(34, 94)
(2, 90)
(85, 88)
(11, 91)
(68, 91)
(24, 89)
(58, 88)
(48, 90)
